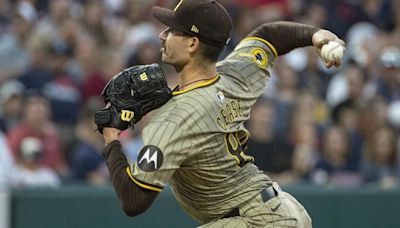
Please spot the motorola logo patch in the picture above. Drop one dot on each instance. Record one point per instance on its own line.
(150, 158)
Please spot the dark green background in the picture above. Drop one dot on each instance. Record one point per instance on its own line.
(87, 206)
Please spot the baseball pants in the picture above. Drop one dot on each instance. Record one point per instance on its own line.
(281, 211)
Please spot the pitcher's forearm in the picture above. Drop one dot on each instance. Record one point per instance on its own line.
(285, 36)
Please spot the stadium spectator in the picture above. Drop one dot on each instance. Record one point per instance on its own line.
(284, 96)
(30, 171)
(13, 54)
(61, 91)
(38, 72)
(11, 93)
(5, 15)
(272, 154)
(140, 27)
(346, 85)
(388, 84)
(49, 28)
(93, 22)
(147, 52)
(86, 161)
(333, 167)
(307, 117)
(113, 63)
(305, 153)
(373, 116)
(379, 13)
(36, 123)
(380, 163)
(346, 115)
(88, 55)
(342, 14)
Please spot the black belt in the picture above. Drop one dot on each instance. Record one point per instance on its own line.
(266, 194)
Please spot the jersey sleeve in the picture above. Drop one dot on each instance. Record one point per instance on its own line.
(163, 152)
(250, 63)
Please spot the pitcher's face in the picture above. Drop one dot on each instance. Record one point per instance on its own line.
(174, 47)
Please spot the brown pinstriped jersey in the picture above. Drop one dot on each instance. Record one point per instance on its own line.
(199, 140)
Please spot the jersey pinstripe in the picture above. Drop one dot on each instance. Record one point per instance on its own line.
(202, 136)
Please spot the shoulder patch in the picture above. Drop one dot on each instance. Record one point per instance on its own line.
(150, 158)
(260, 57)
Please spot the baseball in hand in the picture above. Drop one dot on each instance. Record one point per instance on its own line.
(332, 52)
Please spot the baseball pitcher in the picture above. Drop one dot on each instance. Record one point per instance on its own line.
(196, 139)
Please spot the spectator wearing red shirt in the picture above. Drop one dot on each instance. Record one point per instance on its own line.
(36, 123)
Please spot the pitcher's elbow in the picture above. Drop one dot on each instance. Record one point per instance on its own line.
(133, 211)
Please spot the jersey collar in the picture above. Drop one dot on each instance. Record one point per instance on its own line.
(203, 84)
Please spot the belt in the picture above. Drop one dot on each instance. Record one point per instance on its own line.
(266, 194)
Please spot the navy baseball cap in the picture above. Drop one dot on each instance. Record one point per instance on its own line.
(206, 19)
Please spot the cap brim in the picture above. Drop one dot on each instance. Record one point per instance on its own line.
(165, 16)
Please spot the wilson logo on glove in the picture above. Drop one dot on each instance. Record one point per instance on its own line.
(143, 76)
(127, 115)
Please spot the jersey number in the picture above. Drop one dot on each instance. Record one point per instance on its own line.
(235, 145)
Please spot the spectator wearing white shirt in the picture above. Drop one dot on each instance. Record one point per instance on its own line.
(29, 172)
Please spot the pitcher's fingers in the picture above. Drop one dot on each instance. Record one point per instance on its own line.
(341, 42)
(329, 64)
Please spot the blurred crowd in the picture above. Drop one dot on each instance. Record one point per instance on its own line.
(312, 125)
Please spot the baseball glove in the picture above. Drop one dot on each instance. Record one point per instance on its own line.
(132, 93)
